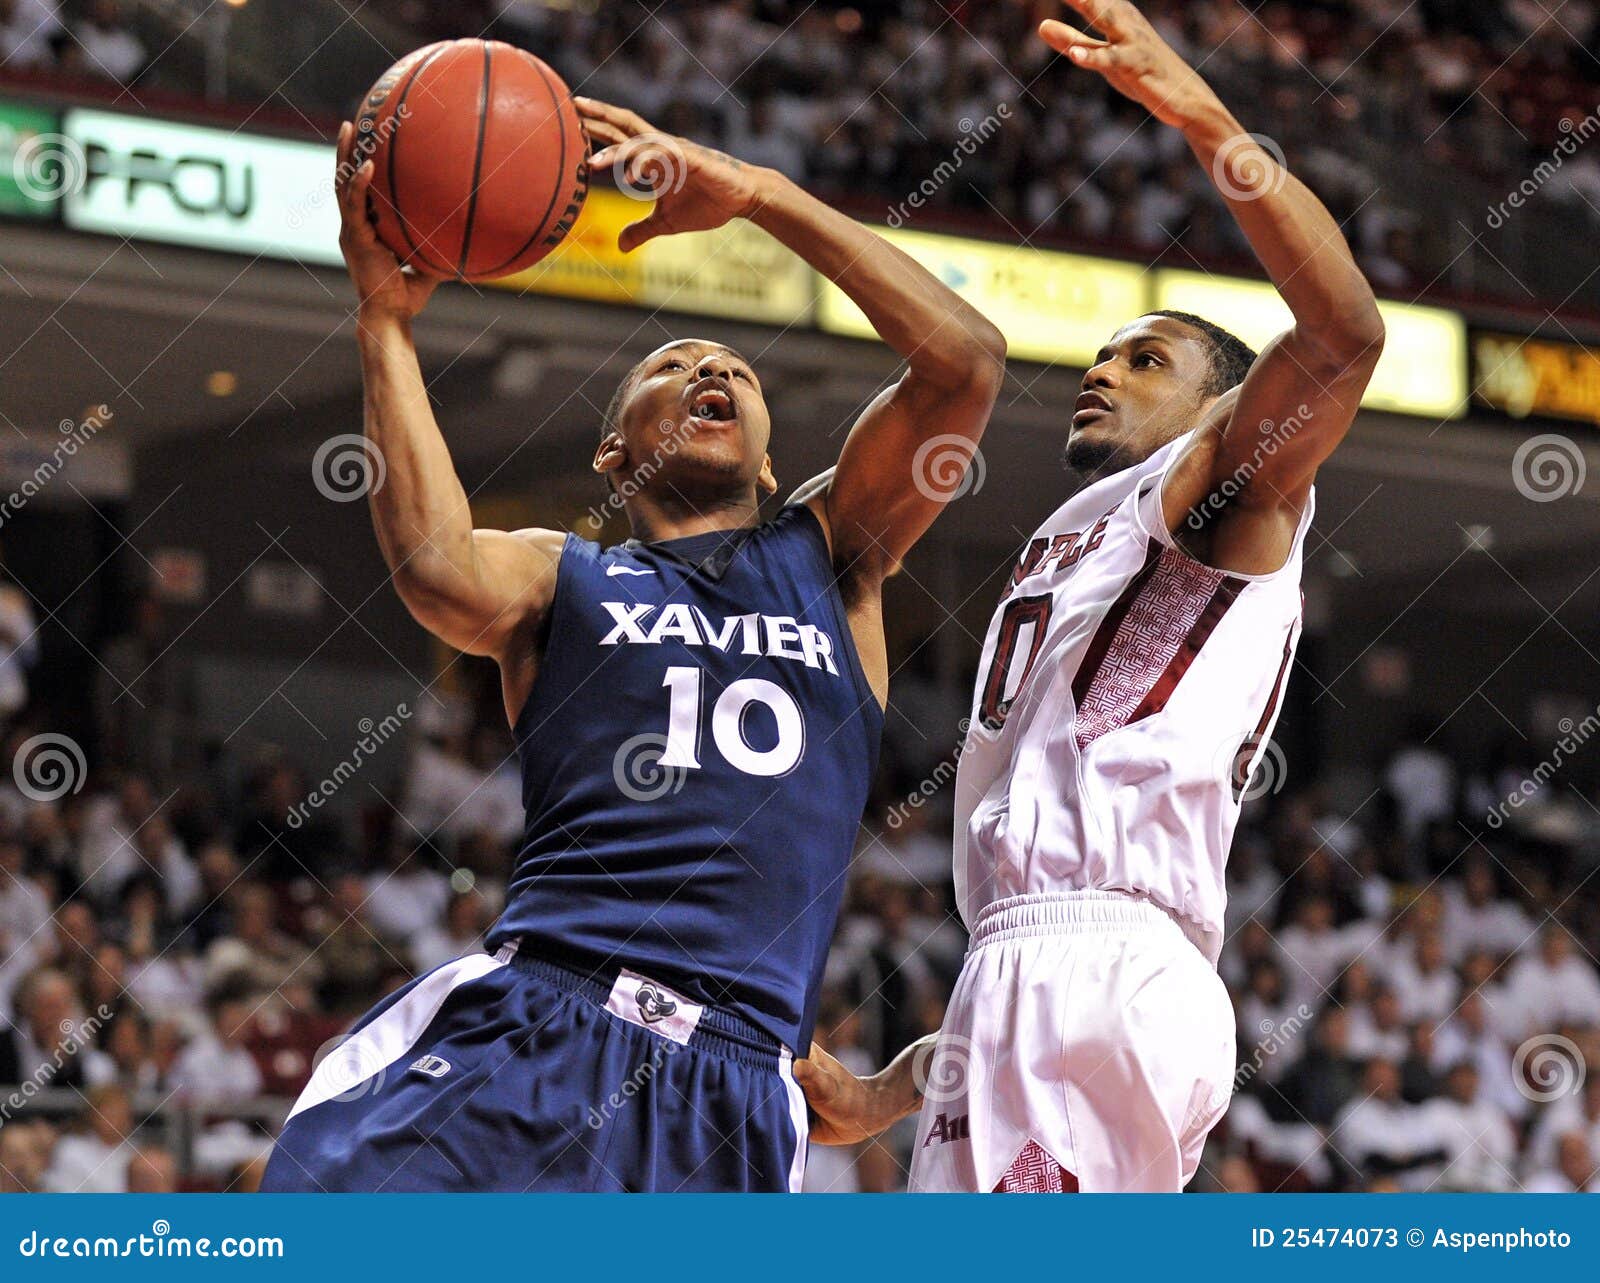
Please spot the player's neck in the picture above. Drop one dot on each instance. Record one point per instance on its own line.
(654, 520)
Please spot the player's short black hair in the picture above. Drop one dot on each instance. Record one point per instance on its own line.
(1231, 357)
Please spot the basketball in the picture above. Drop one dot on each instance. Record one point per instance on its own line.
(480, 163)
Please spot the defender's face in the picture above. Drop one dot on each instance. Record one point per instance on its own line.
(1146, 387)
(693, 419)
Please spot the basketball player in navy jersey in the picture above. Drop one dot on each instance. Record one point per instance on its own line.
(657, 964)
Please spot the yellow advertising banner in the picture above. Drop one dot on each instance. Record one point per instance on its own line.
(1050, 306)
(1423, 369)
(1536, 376)
(737, 272)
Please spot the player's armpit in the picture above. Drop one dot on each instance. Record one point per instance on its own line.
(1235, 497)
(503, 598)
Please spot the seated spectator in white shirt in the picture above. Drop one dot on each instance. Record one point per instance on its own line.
(1469, 1034)
(1553, 987)
(408, 895)
(466, 918)
(51, 1044)
(1477, 1134)
(1575, 1171)
(1422, 780)
(1379, 1135)
(1378, 1029)
(95, 1161)
(215, 1069)
(1317, 950)
(1575, 1111)
(1423, 980)
(1477, 917)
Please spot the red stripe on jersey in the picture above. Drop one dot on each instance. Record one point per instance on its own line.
(1149, 640)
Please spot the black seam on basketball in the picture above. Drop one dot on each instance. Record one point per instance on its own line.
(560, 186)
(477, 163)
(394, 148)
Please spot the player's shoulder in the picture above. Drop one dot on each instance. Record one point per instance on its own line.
(545, 543)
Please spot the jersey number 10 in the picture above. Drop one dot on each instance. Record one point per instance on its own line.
(727, 724)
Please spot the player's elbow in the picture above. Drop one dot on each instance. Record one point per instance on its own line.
(1350, 338)
(976, 360)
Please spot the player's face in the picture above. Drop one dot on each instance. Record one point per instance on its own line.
(693, 422)
(1146, 386)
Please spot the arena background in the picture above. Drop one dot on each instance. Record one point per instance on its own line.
(197, 635)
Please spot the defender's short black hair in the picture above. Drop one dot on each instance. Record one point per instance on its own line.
(1231, 357)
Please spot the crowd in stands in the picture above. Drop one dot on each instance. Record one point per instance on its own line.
(939, 112)
(93, 39)
(1371, 101)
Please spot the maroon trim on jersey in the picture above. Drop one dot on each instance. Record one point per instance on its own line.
(1024, 610)
(1156, 698)
(1100, 643)
(1245, 754)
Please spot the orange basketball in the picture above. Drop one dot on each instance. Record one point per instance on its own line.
(480, 162)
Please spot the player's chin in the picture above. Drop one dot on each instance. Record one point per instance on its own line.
(1094, 453)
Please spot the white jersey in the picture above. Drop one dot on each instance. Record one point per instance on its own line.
(1126, 694)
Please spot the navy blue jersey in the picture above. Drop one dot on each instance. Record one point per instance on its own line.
(696, 755)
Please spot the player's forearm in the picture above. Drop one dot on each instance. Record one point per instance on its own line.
(1292, 233)
(420, 511)
(942, 337)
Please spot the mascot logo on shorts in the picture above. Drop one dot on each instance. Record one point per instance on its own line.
(653, 1004)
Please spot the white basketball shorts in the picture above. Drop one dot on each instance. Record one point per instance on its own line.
(1088, 1045)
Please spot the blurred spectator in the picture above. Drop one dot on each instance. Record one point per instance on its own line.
(95, 1160)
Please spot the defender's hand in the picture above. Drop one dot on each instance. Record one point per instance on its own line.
(382, 284)
(1133, 58)
(846, 1109)
(695, 187)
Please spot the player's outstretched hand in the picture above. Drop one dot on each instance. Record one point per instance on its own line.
(1133, 57)
(846, 1109)
(382, 284)
(695, 188)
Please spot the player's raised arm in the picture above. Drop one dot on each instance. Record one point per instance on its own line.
(882, 494)
(1308, 382)
(473, 589)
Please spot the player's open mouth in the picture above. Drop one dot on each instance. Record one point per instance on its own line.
(713, 405)
(1091, 405)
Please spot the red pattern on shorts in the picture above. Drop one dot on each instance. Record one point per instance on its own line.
(1036, 1172)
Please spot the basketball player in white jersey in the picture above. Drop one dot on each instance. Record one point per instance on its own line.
(1130, 678)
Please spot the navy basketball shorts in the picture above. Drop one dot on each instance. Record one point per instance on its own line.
(510, 1073)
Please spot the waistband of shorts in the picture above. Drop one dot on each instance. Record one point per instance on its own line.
(1075, 912)
(719, 1031)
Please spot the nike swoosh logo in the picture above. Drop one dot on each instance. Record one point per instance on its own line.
(626, 570)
